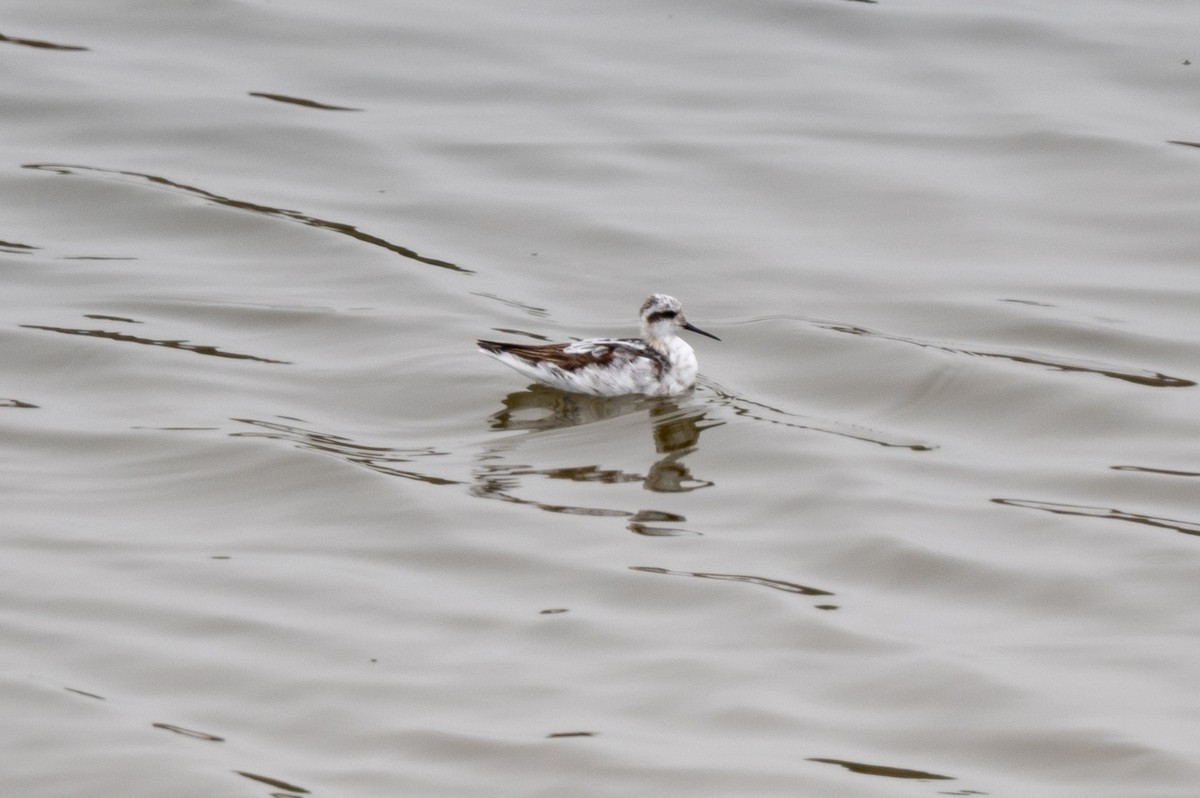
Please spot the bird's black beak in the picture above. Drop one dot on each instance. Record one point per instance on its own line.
(695, 329)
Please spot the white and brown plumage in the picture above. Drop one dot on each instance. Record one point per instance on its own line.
(660, 363)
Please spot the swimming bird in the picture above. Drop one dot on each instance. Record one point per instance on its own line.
(660, 363)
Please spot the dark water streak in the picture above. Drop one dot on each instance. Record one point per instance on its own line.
(380, 459)
(183, 345)
(1106, 513)
(265, 210)
(195, 735)
(777, 584)
(42, 45)
(1148, 378)
(1160, 471)
(283, 785)
(882, 770)
(743, 406)
(283, 98)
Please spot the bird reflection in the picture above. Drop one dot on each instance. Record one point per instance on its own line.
(675, 429)
(544, 408)
(675, 436)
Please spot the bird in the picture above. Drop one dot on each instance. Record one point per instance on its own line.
(660, 363)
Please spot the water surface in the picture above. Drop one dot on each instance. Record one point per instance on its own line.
(927, 526)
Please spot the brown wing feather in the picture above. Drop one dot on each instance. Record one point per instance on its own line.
(600, 354)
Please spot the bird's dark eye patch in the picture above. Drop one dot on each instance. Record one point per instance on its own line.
(662, 314)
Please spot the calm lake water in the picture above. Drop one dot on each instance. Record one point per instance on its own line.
(929, 525)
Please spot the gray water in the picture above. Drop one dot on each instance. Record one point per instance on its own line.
(272, 527)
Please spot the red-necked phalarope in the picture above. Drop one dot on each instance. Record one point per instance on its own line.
(660, 363)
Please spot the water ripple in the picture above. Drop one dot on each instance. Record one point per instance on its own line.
(748, 408)
(265, 210)
(200, 349)
(196, 735)
(271, 782)
(15, 248)
(777, 584)
(882, 770)
(41, 45)
(381, 459)
(283, 98)
(1108, 513)
(1145, 377)
(1170, 472)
